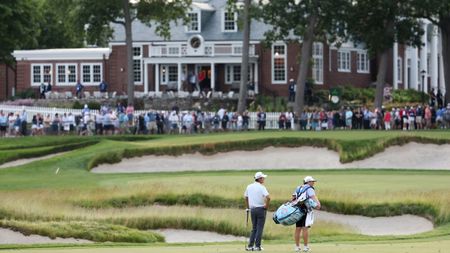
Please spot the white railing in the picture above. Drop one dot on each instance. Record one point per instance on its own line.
(180, 50)
(32, 110)
(271, 117)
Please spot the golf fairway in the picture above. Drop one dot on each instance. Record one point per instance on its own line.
(438, 246)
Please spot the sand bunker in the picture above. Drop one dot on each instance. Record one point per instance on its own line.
(409, 156)
(28, 160)
(8, 236)
(190, 236)
(395, 225)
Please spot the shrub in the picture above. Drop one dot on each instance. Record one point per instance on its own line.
(94, 105)
(409, 96)
(77, 105)
(28, 93)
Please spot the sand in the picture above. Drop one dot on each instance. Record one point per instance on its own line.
(395, 225)
(409, 156)
(28, 160)
(8, 236)
(190, 236)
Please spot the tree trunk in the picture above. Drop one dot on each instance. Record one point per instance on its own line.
(445, 33)
(242, 103)
(381, 78)
(7, 82)
(305, 57)
(129, 45)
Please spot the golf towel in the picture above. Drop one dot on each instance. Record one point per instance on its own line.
(309, 219)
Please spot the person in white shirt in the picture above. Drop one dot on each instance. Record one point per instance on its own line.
(174, 120)
(257, 201)
(307, 220)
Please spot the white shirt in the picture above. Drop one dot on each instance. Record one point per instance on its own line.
(348, 115)
(256, 194)
(221, 112)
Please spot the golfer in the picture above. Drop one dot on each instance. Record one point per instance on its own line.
(257, 201)
(307, 220)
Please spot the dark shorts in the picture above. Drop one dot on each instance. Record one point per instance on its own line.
(108, 127)
(3, 128)
(301, 222)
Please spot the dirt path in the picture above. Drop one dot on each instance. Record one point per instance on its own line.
(409, 156)
(8, 236)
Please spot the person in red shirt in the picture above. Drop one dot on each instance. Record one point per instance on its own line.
(387, 120)
(427, 117)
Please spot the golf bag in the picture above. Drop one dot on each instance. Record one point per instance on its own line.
(291, 212)
(288, 214)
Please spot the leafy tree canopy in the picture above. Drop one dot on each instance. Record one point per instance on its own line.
(17, 27)
(289, 18)
(380, 23)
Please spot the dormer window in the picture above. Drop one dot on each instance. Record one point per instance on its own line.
(229, 21)
(194, 24)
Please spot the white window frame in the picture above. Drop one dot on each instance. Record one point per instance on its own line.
(66, 74)
(284, 57)
(359, 62)
(165, 75)
(199, 22)
(340, 62)
(318, 60)
(136, 58)
(229, 73)
(223, 22)
(91, 73)
(399, 70)
(41, 74)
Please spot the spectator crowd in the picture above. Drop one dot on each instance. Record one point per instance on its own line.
(124, 120)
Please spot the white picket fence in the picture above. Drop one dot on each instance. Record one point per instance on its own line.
(271, 117)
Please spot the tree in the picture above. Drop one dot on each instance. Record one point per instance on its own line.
(17, 27)
(438, 12)
(305, 20)
(99, 14)
(58, 25)
(242, 102)
(378, 24)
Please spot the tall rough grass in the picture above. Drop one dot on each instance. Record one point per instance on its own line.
(367, 209)
(93, 231)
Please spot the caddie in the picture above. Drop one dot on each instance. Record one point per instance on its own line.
(311, 202)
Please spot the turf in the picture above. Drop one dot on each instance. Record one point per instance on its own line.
(439, 246)
(34, 192)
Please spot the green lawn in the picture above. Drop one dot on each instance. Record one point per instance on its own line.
(440, 245)
(34, 192)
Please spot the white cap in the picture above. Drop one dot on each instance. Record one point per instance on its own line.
(259, 175)
(308, 179)
(291, 80)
